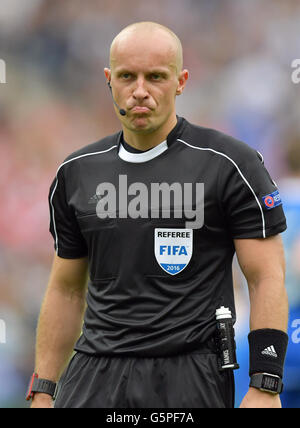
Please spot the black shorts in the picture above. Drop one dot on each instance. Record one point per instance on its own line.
(185, 381)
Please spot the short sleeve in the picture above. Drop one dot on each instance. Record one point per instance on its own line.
(250, 198)
(68, 240)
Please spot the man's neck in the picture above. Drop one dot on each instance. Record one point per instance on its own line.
(148, 141)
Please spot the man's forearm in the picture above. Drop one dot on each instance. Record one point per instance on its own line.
(268, 305)
(263, 263)
(59, 327)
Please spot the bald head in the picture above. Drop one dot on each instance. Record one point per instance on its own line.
(159, 36)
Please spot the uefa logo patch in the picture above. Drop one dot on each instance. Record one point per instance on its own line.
(272, 200)
(173, 249)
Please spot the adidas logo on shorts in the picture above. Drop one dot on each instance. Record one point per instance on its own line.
(270, 350)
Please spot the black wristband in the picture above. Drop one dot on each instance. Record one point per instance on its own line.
(267, 351)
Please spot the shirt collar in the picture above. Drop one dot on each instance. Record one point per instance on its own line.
(156, 151)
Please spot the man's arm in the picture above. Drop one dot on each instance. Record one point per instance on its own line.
(60, 321)
(263, 263)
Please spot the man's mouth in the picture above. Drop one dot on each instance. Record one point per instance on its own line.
(139, 109)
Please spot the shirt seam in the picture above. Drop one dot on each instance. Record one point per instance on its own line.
(241, 175)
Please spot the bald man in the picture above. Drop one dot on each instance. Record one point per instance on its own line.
(145, 225)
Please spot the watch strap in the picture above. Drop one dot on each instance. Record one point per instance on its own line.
(267, 382)
(44, 386)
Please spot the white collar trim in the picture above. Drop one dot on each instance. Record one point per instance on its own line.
(142, 157)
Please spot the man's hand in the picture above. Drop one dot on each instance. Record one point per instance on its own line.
(42, 401)
(256, 399)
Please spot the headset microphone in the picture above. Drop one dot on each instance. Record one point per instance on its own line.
(121, 110)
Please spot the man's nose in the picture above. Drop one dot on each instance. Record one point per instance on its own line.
(140, 91)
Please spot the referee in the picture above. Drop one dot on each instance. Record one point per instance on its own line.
(145, 224)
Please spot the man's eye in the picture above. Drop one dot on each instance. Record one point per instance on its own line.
(155, 76)
(126, 76)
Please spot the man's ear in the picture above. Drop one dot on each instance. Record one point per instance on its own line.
(183, 77)
(107, 73)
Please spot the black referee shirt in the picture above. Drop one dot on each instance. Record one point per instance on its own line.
(158, 229)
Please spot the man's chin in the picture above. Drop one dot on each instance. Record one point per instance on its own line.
(142, 125)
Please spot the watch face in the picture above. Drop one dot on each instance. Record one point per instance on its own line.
(270, 383)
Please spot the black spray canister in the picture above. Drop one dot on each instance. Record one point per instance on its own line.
(225, 339)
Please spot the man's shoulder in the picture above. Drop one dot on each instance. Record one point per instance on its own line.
(215, 141)
(101, 146)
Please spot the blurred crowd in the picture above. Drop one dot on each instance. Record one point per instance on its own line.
(55, 100)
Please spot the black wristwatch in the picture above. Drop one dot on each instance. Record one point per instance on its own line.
(40, 385)
(267, 382)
